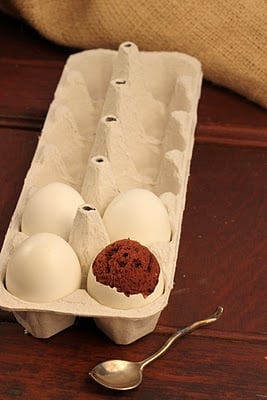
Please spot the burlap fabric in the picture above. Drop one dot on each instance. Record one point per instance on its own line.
(229, 37)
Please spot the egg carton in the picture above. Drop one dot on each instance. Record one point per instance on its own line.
(119, 120)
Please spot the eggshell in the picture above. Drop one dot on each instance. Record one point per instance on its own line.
(137, 214)
(110, 297)
(51, 209)
(43, 268)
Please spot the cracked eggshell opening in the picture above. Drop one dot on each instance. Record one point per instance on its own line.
(43, 268)
(51, 209)
(125, 275)
(137, 214)
(110, 297)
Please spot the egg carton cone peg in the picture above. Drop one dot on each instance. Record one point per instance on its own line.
(128, 66)
(110, 142)
(99, 185)
(135, 119)
(88, 237)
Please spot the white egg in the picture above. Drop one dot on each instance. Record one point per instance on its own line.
(52, 209)
(137, 214)
(43, 268)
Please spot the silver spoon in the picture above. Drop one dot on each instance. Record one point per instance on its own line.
(125, 375)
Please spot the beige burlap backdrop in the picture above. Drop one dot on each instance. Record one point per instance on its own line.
(229, 37)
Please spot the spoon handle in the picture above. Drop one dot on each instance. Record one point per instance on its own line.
(182, 332)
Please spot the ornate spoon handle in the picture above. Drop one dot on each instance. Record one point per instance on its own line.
(182, 332)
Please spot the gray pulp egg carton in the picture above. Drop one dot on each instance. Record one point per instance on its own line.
(119, 120)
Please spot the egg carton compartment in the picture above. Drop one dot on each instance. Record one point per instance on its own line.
(119, 120)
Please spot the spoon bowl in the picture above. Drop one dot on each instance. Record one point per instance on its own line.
(118, 374)
(125, 375)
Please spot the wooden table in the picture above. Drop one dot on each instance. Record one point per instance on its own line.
(222, 257)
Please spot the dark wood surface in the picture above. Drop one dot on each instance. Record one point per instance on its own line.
(222, 257)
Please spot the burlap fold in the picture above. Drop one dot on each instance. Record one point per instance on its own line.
(229, 37)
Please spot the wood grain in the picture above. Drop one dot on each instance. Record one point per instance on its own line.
(223, 248)
(197, 367)
(17, 149)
